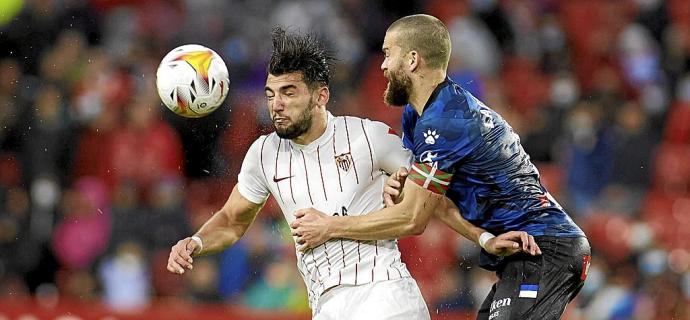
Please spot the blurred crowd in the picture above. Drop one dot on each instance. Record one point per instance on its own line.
(98, 179)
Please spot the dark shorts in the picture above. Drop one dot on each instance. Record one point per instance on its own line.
(538, 287)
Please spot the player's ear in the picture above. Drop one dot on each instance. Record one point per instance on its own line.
(413, 60)
(322, 95)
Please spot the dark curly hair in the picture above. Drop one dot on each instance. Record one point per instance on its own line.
(304, 53)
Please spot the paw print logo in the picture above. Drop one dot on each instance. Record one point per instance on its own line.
(430, 136)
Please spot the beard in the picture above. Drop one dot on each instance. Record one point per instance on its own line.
(300, 126)
(398, 91)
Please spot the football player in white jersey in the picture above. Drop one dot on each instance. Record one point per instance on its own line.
(337, 165)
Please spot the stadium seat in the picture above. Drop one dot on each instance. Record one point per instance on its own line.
(677, 129)
(551, 177)
(610, 231)
(672, 168)
(525, 86)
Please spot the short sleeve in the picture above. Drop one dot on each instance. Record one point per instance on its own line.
(251, 181)
(387, 148)
(445, 142)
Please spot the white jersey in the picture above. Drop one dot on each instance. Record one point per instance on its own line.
(340, 173)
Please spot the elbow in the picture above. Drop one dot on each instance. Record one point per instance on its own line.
(417, 228)
(415, 221)
(414, 227)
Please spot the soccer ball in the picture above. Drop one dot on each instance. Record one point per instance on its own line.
(192, 80)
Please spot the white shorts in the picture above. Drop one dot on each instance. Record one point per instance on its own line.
(381, 300)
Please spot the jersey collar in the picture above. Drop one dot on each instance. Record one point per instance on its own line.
(446, 82)
(326, 136)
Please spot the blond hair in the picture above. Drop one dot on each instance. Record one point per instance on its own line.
(425, 34)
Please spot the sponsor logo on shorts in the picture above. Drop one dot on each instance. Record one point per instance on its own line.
(496, 304)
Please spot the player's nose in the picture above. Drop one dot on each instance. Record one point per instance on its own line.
(278, 104)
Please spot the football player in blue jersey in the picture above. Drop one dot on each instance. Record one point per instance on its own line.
(468, 162)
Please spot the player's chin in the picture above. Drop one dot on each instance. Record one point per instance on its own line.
(281, 126)
(389, 100)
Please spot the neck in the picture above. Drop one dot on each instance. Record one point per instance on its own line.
(318, 127)
(423, 86)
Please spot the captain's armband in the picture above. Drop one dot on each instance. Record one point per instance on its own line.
(430, 177)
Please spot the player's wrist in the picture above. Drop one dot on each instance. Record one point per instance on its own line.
(484, 238)
(335, 227)
(199, 244)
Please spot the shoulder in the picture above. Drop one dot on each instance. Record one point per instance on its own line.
(348, 120)
(458, 111)
(265, 142)
(357, 124)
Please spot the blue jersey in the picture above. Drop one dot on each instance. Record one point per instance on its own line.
(491, 178)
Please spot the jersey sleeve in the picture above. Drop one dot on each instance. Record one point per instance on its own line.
(447, 141)
(251, 181)
(387, 148)
(409, 117)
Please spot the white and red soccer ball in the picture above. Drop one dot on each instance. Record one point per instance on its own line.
(192, 80)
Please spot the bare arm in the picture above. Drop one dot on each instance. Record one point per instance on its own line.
(222, 230)
(229, 224)
(403, 217)
(409, 217)
(451, 217)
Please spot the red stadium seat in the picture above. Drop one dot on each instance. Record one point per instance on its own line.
(677, 129)
(668, 217)
(526, 87)
(672, 168)
(551, 177)
(610, 232)
(679, 10)
(10, 170)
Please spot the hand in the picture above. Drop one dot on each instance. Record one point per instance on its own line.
(310, 228)
(512, 242)
(392, 191)
(181, 256)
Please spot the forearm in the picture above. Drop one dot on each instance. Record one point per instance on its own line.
(409, 217)
(452, 218)
(218, 233)
(229, 224)
(388, 223)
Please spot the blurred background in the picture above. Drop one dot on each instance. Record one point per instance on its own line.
(98, 180)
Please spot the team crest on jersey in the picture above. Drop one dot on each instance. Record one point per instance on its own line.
(344, 161)
(428, 157)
